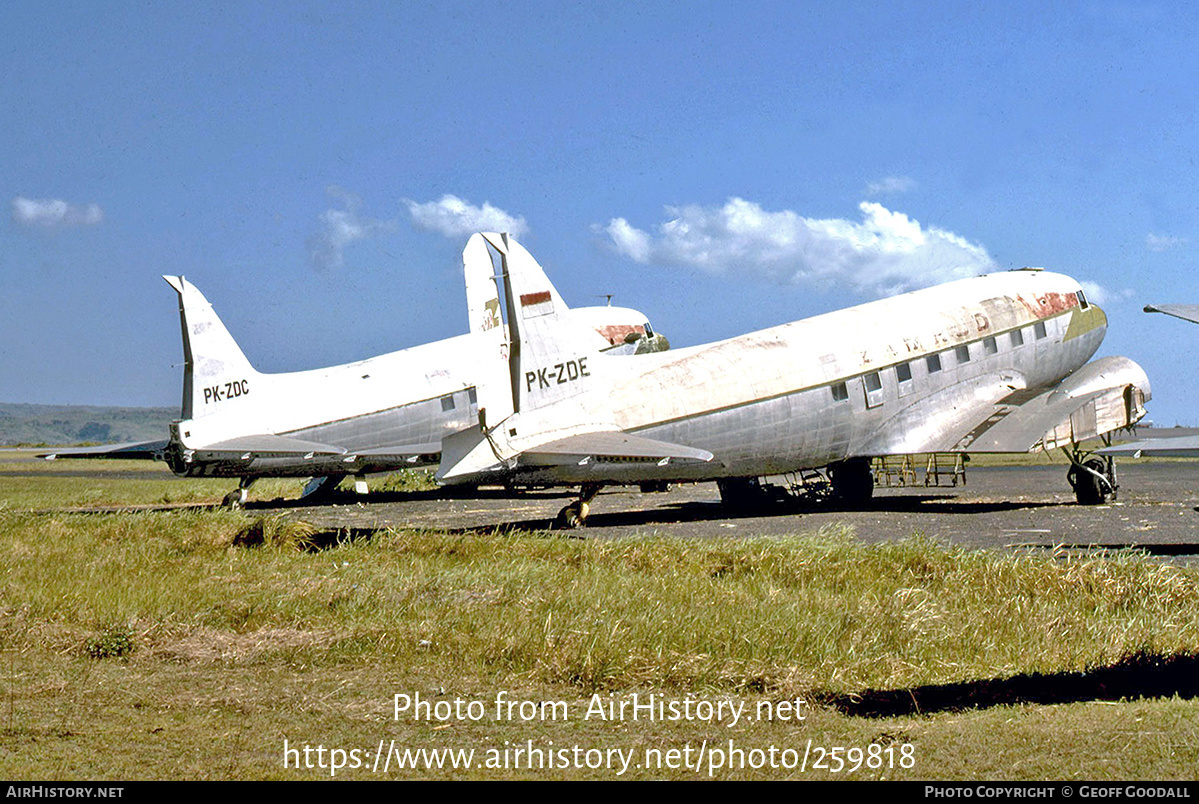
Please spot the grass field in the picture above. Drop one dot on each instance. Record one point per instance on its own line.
(200, 643)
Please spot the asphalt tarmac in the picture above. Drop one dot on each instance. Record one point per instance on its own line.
(1157, 510)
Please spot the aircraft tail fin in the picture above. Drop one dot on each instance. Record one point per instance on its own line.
(214, 367)
(531, 370)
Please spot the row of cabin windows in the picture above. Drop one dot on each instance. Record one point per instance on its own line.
(903, 371)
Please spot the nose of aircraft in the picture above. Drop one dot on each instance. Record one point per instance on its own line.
(1087, 319)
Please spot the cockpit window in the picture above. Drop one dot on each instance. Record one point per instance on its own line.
(649, 331)
(1082, 299)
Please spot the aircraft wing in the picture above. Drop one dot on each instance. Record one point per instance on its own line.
(132, 450)
(1102, 396)
(267, 445)
(1187, 312)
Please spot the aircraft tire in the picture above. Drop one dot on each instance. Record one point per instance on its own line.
(572, 516)
(741, 492)
(852, 480)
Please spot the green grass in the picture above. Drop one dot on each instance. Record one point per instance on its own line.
(191, 643)
(115, 624)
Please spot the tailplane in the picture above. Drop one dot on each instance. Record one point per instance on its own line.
(214, 368)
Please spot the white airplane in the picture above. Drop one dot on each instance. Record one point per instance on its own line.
(376, 415)
(996, 363)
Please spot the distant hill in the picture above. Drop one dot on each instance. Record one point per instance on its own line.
(74, 424)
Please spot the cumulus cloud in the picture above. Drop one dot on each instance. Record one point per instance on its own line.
(885, 252)
(454, 217)
(1156, 242)
(338, 228)
(891, 185)
(51, 213)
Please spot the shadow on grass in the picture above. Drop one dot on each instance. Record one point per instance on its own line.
(1140, 675)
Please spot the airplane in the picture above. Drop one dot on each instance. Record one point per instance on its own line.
(1173, 447)
(531, 396)
(377, 415)
(994, 363)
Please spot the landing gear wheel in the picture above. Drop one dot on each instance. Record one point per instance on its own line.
(853, 481)
(234, 499)
(741, 492)
(575, 514)
(1093, 482)
(237, 498)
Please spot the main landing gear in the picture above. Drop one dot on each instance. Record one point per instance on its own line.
(1093, 478)
(852, 480)
(849, 483)
(575, 514)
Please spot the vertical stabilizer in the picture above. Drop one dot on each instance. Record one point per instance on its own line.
(555, 358)
(541, 357)
(215, 370)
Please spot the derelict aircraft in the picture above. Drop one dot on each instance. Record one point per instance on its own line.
(994, 363)
(376, 415)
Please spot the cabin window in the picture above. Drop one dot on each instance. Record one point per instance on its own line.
(447, 403)
(903, 373)
(874, 389)
(962, 354)
(840, 392)
(1017, 338)
(990, 346)
(1039, 330)
(471, 396)
(933, 362)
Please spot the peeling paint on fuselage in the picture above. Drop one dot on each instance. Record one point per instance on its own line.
(763, 402)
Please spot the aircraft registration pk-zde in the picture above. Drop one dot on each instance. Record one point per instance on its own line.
(994, 363)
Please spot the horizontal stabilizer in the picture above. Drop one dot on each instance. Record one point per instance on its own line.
(613, 445)
(133, 450)
(401, 450)
(469, 453)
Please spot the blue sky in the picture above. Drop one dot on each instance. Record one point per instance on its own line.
(315, 169)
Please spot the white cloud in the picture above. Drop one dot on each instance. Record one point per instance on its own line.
(1155, 242)
(891, 185)
(339, 228)
(51, 213)
(886, 252)
(1101, 295)
(454, 217)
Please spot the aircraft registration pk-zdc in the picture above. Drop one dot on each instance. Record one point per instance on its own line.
(994, 363)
